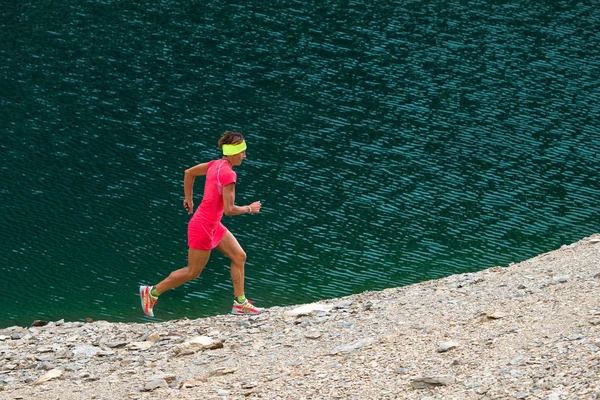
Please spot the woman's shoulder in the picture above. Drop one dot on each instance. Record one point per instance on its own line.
(212, 162)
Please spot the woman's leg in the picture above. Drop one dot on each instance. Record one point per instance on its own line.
(197, 260)
(232, 249)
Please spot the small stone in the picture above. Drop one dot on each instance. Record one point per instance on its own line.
(343, 304)
(39, 322)
(313, 334)
(45, 349)
(220, 371)
(65, 353)
(560, 279)
(249, 385)
(73, 367)
(349, 348)
(205, 342)
(444, 347)
(518, 360)
(308, 309)
(52, 374)
(140, 345)
(575, 336)
(85, 351)
(47, 366)
(45, 358)
(194, 383)
(81, 376)
(482, 390)
(496, 315)
(116, 345)
(277, 376)
(431, 381)
(153, 385)
(198, 343)
(169, 378)
(154, 337)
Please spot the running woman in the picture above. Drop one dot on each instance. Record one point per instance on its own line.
(205, 230)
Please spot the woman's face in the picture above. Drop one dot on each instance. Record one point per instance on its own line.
(238, 158)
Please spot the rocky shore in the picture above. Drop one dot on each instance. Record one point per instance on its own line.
(527, 331)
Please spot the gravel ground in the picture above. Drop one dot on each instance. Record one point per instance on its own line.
(527, 331)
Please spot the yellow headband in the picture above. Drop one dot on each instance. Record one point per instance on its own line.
(233, 149)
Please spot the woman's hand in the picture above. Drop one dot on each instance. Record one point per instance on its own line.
(188, 205)
(255, 207)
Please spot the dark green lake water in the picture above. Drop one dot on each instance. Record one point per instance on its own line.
(390, 142)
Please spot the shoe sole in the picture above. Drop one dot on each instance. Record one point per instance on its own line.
(234, 312)
(142, 301)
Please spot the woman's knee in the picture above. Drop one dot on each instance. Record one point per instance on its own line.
(239, 257)
(197, 259)
(192, 273)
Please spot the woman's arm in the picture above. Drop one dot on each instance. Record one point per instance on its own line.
(188, 184)
(229, 207)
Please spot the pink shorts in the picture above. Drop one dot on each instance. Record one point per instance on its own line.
(201, 237)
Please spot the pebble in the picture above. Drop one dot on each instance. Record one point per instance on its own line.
(560, 279)
(446, 346)
(52, 374)
(496, 315)
(153, 385)
(351, 347)
(85, 351)
(308, 309)
(431, 381)
(140, 346)
(313, 335)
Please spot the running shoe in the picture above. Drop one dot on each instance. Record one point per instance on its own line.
(245, 308)
(148, 301)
